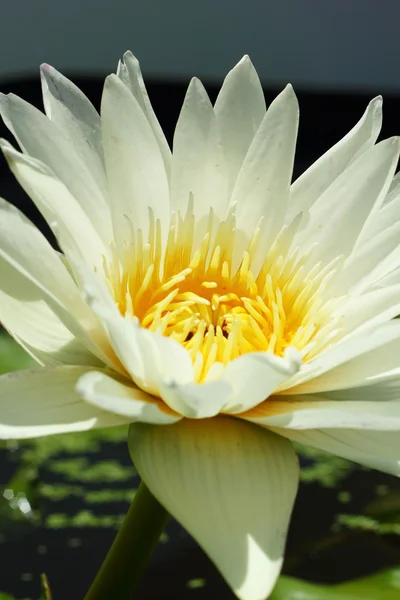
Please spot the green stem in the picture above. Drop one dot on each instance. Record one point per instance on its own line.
(131, 549)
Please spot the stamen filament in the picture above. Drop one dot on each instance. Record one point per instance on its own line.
(216, 311)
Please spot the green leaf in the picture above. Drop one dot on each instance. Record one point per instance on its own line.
(290, 588)
(4, 596)
(13, 357)
(384, 585)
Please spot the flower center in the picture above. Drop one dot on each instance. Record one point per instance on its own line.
(216, 310)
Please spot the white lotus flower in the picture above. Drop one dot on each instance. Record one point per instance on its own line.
(198, 289)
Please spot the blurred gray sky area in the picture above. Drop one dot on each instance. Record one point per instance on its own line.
(314, 44)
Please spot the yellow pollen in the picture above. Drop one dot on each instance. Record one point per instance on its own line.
(215, 309)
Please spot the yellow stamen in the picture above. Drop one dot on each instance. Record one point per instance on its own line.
(215, 310)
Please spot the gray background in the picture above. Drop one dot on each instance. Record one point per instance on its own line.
(315, 44)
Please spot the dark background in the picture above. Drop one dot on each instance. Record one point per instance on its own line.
(346, 44)
(337, 55)
(325, 117)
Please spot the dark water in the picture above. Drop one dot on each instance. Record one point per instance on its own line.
(63, 498)
(71, 492)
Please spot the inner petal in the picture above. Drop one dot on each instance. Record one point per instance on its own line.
(217, 312)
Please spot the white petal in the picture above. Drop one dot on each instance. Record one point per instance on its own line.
(231, 485)
(394, 190)
(351, 200)
(256, 375)
(164, 358)
(44, 401)
(370, 309)
(135, 168)
(40, 139)
(386, 216)
(24, 248)
(239, 108)
(376, 407)
(30, 320)
(356, 344)
(377, 253)
(370, 262)
(313, 183)
(123, 398)
(262, 186)
(161, 358)
(78, 120)
(196, 401)
(57, 205)
(129, 72)
(157, 364)
(375, 449)
(148, 357)
(197, 160)
(378, 365)
(389, 279)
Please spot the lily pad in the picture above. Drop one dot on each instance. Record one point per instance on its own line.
(381, 586)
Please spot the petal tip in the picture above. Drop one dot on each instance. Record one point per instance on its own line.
(290, 93)
(244, 62)
(111, 80)
(293, 356)
(128, 55)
